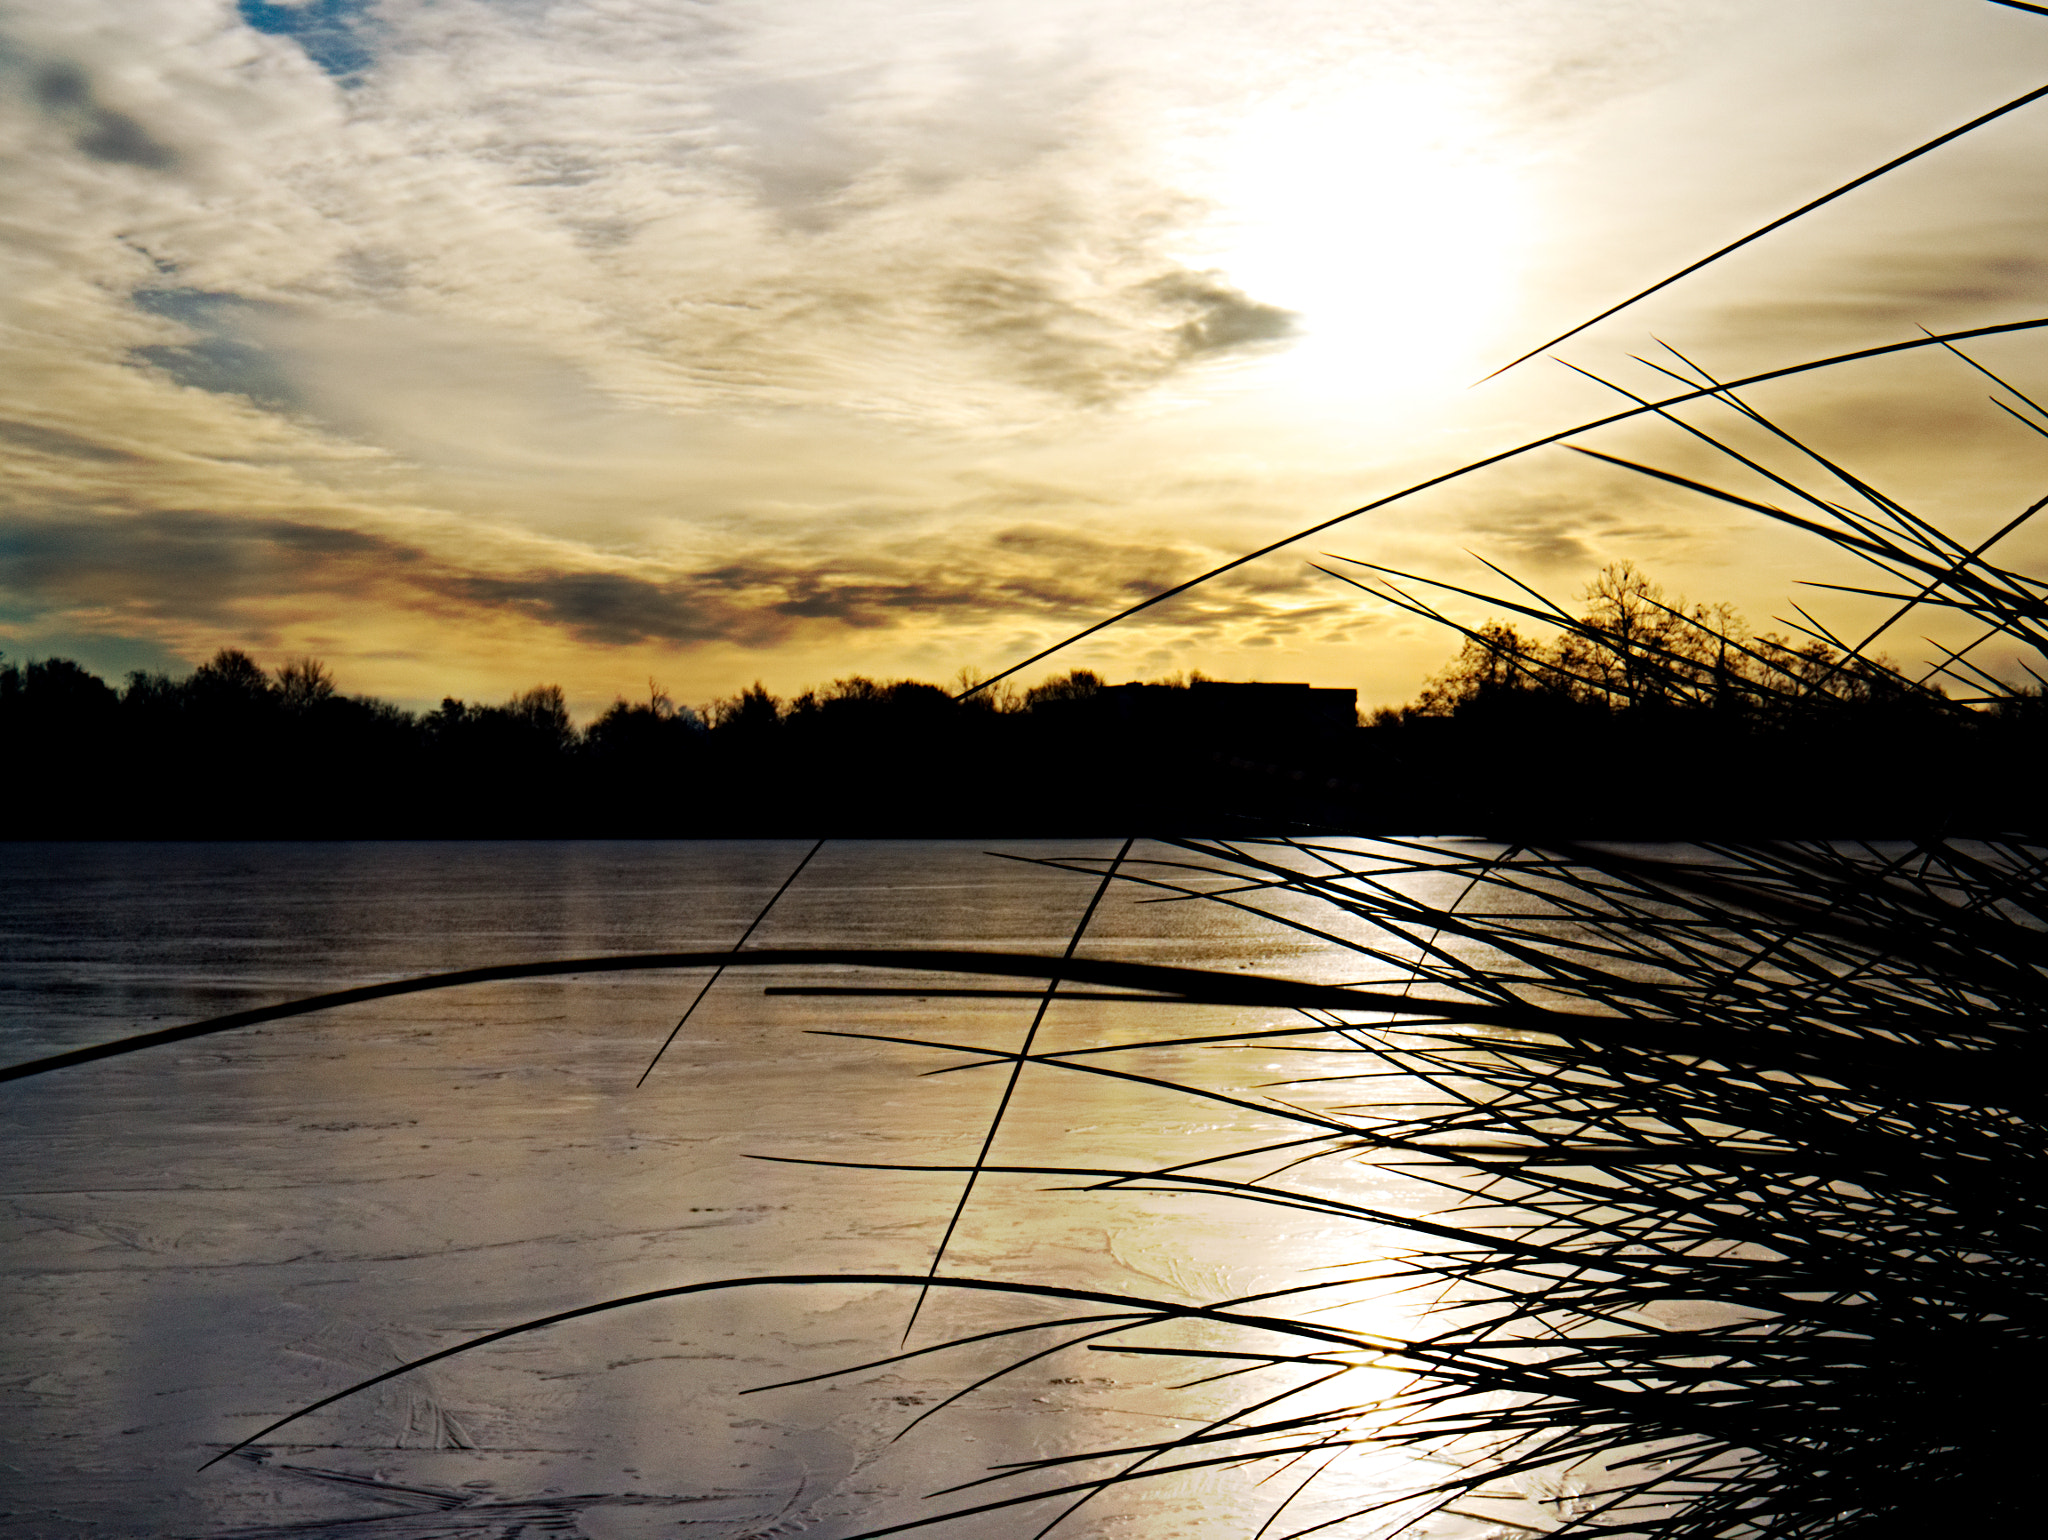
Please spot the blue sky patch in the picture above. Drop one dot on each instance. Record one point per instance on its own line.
(228, 358)
(334, 33)
(109, 654)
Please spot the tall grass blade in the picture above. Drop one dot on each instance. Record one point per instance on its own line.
(719, 972)
(1017, 1063)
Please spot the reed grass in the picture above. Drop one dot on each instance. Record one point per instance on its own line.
(1742, 1229)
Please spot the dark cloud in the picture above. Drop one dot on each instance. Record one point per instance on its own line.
(755, 603)
(229, 356)
(873, 604)
(189, 568)
(1548, 532)
(195, 567)
(1041, 337)
(1571, 534)
(1097, 351)
(65, 93)
(185, 565)
(1219, 317)
(1071, 577)
(60, 445)
(610, 608)
(1070, 574)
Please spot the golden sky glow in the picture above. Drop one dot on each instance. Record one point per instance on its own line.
(468, 345)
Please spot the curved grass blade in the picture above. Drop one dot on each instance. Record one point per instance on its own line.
(1146, 1309)
(1191, 984)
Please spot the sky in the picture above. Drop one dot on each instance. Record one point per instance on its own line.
(473, 344)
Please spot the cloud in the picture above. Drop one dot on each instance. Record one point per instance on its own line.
(1219, 318)
(228, 355)
(766, 325)
(337, 35)
(57, 444)
(64, 93)
(176, 573)
(1887, 290)
(186, 566)
(685, 207)
(616, 609)
(766, 598)
(1102, 348)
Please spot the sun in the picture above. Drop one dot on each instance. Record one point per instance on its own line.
(1389, 217)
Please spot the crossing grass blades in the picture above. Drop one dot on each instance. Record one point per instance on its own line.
(1742, 1226)
(1739, 1148)
(1741, 1232)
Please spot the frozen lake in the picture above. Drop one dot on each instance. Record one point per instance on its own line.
(201, 1237)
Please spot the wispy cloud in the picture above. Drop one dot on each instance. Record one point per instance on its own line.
(760, 325)
(210, 569)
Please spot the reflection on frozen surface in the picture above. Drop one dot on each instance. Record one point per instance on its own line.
(202, 1237)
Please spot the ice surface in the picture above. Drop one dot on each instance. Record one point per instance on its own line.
(200, 1238)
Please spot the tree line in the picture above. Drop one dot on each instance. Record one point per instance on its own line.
(233, 750)
(1640, 717)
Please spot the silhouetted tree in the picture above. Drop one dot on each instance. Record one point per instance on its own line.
(543, 712)
(59, 688)
(303, 683)
(155, 695)
(1497, 663)
(231, 679)
(1641, 716)
(1080, 684)
(67, 717)
(752, 714)
(655, 730)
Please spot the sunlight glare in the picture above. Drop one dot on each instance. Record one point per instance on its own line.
(1387, 220)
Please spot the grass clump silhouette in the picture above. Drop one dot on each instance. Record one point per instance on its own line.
(1742, 1229)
